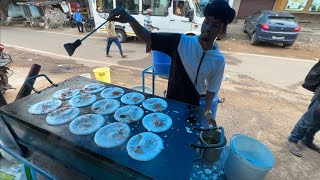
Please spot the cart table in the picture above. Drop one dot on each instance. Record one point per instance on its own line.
(82, 154)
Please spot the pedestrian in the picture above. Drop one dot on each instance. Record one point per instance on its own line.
(148, 25)
(79, 19)
(112, 37)
(309, 124)
(197, 65)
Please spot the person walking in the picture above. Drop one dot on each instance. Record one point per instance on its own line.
(309, 124)
(148, 25)
(112, 37)
(197, 65)
(79, 19)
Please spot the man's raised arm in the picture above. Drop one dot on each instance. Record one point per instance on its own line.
(122, 16)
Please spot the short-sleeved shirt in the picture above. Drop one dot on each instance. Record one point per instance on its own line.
(111, 28)
(147, 22)
(190, 52)
(77, 17)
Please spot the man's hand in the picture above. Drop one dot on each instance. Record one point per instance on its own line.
(120, 15)
(210, 119)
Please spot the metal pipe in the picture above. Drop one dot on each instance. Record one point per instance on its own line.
(25, 90)
(40, 171)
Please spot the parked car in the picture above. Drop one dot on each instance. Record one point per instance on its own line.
(272, 27)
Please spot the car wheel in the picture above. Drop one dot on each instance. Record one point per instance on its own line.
(121, 35)
(244, 28)
(287, 45)
(254, 40)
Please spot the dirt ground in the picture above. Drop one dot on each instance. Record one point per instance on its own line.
(251, 107)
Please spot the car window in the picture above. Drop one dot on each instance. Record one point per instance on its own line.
(259, 17)
(129, 5)
(282, 20)
(256, 16)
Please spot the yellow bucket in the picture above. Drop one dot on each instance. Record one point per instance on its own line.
(102, 74)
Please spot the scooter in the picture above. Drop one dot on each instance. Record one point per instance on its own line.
(5, 72)
(89, 24)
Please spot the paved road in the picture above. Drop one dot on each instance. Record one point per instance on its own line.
(281, 72)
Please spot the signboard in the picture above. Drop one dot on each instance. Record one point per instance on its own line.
(64, 7)
(296, 5)
(315, 7)
(82, 8)
(74, 7)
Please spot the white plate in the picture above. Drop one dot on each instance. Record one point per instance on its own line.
(128, 114)
(157, 122)
(45, 107)
(86, 124)
(65, 94)
(93, 88)
(112, 93)
(112, 135)
(83, 100)
(155, 104)
(144, 146)
(132, 98)
(105, 106)
(62, 115)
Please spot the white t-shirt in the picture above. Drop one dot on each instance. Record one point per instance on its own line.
(212, 68)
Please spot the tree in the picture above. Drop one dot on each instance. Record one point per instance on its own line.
(4, 6)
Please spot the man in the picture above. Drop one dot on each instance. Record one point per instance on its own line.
(180, 9)
(309, 124)
(112, 37)
(79, 19)
(148, 25)
(197, 65)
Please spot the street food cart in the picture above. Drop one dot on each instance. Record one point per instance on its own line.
(176, 160)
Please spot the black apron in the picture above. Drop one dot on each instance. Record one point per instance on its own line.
(180, 87)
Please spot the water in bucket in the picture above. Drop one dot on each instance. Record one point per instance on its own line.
(249, 159)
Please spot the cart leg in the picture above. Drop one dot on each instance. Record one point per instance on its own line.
(143, 81)
(7, 139)
(153, 78)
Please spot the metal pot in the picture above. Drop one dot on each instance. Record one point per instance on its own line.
(212, 142)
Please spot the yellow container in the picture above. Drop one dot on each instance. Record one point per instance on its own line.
(102, 74)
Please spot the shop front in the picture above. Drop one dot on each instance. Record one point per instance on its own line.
(307, 12)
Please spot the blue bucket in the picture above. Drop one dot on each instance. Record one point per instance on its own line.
(161, 63)
(248, 159)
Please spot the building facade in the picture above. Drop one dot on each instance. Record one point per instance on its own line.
(303, 9)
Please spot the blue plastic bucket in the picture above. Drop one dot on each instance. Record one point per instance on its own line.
(248, 159)
(214, 105)
(161, 63)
